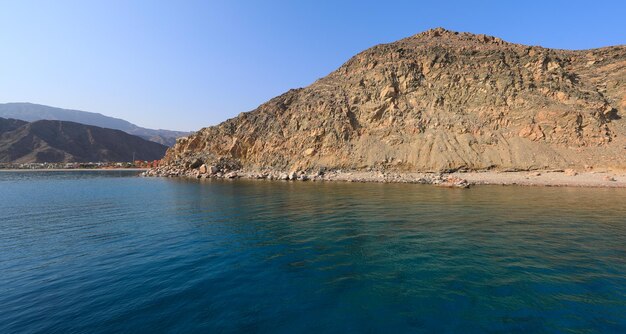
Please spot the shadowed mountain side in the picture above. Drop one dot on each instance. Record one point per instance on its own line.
(7, 125)
(34, 112)
(60, 141)
(438, 100)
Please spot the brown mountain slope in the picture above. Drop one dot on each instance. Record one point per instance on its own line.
(438, 100)
(60, 141)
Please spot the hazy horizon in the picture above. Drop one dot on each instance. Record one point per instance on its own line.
(184, 66)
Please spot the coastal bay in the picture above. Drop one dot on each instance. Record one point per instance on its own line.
(312, 167)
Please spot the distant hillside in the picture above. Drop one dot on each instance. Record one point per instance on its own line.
(34, 112)
(61, 141)
(7, 125)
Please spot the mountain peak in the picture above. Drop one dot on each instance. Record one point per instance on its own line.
(442, 34)
(436, 32)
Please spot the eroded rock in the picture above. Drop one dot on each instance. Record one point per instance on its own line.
(436, 101)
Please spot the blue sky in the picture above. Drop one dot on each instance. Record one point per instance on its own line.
(184, 65)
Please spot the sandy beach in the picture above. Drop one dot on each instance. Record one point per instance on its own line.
(551, 178)
(548, 178)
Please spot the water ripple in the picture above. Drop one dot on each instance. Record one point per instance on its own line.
(91, 252)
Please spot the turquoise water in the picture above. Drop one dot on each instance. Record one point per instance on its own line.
(95, 252)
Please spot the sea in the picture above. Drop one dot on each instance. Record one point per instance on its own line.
(112, 252)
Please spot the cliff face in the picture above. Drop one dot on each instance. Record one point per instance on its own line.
(435, 101)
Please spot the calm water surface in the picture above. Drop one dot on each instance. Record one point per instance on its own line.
(94, 252)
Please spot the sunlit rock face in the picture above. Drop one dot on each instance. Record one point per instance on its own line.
(438, 100)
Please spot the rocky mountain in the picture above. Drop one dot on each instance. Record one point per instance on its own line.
(439, 100)
(34, 112)
(61, 141)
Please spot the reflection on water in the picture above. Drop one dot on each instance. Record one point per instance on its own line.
(94, 252)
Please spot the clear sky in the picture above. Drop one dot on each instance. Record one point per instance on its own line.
(183, 65)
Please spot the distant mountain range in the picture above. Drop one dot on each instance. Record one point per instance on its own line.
(62, 141)
(34, 112)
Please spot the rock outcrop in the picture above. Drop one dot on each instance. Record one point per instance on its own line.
(436, 101)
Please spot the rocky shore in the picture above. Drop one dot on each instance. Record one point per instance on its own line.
(558, 177)
(204, 171)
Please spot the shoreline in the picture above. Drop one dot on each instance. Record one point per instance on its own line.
(545, 178)
(73, 169)
(587, 179)
(605, 178)
(536, 178)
